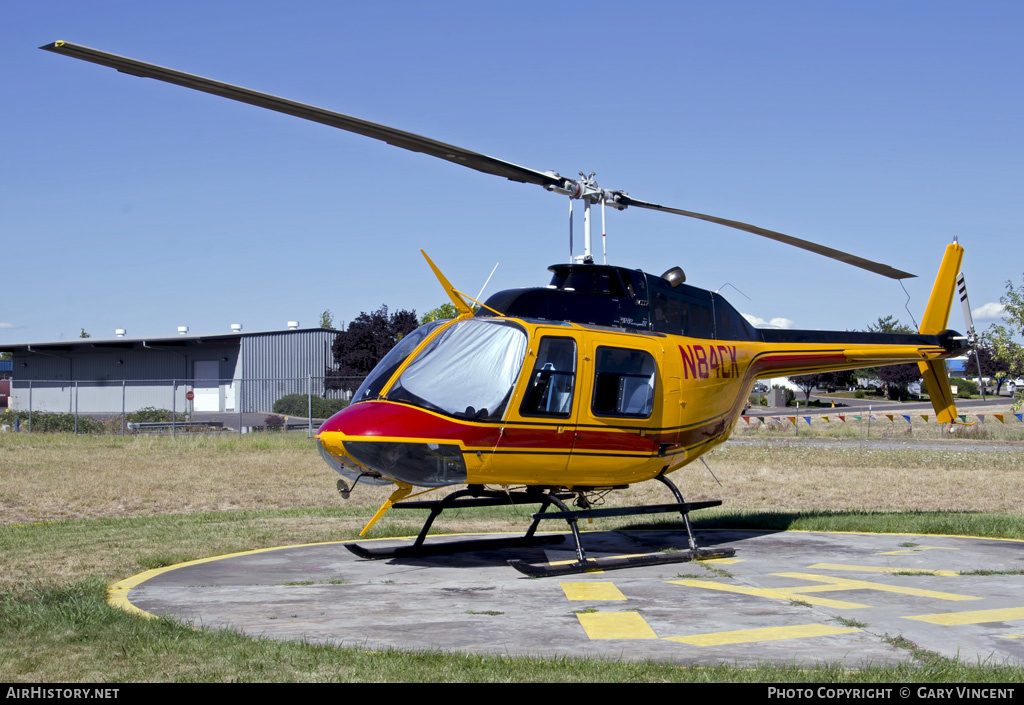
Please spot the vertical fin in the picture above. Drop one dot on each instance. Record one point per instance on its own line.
(936, 316)
(935, 320)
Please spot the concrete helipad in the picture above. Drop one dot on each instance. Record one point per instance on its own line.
(787, 597)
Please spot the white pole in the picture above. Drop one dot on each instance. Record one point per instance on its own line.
(570, 230)
(587, 251)
(604, 234)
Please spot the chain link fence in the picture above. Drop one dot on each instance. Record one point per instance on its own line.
(173, 405)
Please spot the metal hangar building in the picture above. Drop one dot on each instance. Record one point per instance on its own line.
(224, 372)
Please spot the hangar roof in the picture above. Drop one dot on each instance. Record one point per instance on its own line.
(160, 341)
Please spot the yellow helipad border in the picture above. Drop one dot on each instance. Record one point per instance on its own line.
(117, 593)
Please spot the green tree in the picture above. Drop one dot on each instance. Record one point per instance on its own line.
(440, 313)
(829, 381)
(84, 334)
(1002, 338)
(896, 378)
(327, 319)
(1013, 307)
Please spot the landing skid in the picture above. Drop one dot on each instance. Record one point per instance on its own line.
(472, 496)
(477, 496)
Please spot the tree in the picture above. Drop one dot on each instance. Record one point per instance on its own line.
(369, 337)
(84, 334)
(830, 381)
(1013, 307)
(327, 319)
(896, 378)
(446, 310)
(1002, 340)
(983, 357)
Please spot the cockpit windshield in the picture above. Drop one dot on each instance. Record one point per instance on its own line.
(466, 370)
(374, 383)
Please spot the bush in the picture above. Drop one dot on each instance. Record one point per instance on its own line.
(151, 414)
(298, 405)
(860, 394)
(274, 422)
(965, 388)
(51, 422)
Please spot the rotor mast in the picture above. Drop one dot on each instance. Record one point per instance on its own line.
(588, 191)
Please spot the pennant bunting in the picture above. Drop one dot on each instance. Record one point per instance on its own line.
(792, 419)
(981, 417)
(907, 417)
(842, 418)
(827, 419)
(746, 419)
(1019, 417)
(1000, 417)
(963, 417)
(808, 420)
(891, 419)
(925, 417)
(857, 417)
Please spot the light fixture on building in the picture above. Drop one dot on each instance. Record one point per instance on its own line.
(120, 332)
(293, 325)
(236, 327)
(182, 330)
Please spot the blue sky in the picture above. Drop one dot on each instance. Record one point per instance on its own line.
(880, 128)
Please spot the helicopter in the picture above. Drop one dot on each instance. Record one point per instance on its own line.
(559, 395)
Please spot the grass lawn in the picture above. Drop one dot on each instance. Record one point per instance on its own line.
(79, 513)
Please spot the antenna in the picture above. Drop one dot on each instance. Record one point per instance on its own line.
(481, 294)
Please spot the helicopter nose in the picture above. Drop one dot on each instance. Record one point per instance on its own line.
(399, 442)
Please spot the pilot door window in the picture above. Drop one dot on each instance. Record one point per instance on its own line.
(549, 392)
(623, 383)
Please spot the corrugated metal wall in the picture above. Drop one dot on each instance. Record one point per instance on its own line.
(280, 363)
(99, 379)
(103, 377)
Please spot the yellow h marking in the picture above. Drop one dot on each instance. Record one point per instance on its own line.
(743, 636)
(616, 625)
(592, 591)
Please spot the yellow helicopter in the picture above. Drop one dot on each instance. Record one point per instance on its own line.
(555, 395)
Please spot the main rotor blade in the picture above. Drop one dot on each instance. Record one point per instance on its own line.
(398, 138)
(876, 267)
(425, 145)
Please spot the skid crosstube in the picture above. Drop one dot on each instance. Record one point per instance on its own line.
(472, 496)
(477, 496)
(440, 549)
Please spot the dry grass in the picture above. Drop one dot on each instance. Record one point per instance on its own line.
(79, 513)
(61, 477)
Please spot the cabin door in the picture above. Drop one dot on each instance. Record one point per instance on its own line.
(538, 430)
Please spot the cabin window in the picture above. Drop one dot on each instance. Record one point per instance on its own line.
(549, 392)
(466, 370)
(623, 383)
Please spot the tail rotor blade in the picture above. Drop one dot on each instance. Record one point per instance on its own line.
(961, 287)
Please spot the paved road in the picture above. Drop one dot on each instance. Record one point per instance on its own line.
(856, 406)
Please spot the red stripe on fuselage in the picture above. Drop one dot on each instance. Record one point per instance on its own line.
(372, 419)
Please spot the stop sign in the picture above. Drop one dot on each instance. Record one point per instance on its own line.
(190, 395)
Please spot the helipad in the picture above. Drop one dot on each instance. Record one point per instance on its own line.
(787, 597)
